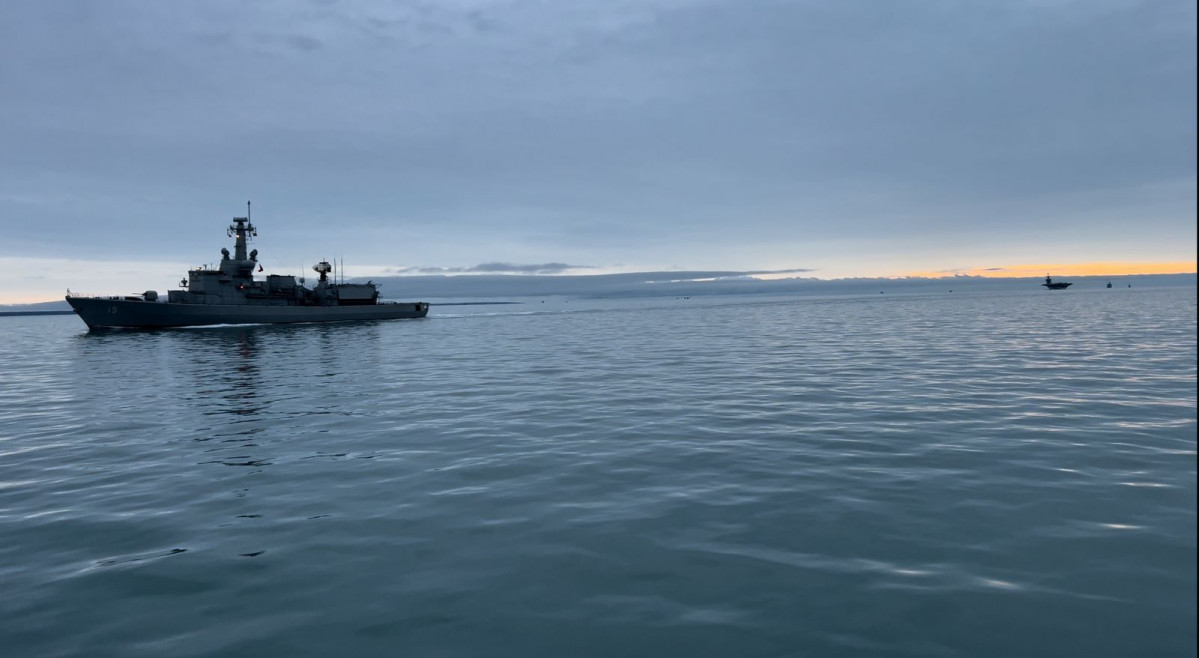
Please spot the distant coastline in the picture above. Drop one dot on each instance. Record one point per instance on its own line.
(697, 283)
(6, 314)
(471, 303)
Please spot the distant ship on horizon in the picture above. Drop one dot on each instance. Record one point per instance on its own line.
(1056, 285)
(230, 295)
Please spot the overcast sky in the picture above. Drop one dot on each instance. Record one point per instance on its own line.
(845, 137)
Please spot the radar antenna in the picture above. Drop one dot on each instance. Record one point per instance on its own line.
(243, 230)
(323, 268)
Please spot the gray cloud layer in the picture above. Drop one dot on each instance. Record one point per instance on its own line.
(559, 268)
(702, 134)
(490, 268)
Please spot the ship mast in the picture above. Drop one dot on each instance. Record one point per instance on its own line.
(243, 229)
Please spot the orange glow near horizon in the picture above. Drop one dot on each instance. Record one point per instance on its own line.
(1102, 268)
(32, 298)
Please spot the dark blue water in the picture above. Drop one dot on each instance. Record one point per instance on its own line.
(993, 474)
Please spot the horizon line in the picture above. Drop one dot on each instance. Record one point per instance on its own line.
(1033, 271)
(1094, 268)
(1017, 272)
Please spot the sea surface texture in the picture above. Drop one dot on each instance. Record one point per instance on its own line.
(955, 474)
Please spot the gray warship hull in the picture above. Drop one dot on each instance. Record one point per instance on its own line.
(229, 294)
(101, 313)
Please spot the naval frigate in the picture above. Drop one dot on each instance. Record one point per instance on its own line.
(228, 294)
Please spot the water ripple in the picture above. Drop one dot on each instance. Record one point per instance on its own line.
(989, 474)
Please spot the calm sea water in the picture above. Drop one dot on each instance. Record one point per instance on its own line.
(904, 475)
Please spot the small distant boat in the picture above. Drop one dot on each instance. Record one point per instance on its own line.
(1109, 284)
(1056, 285)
